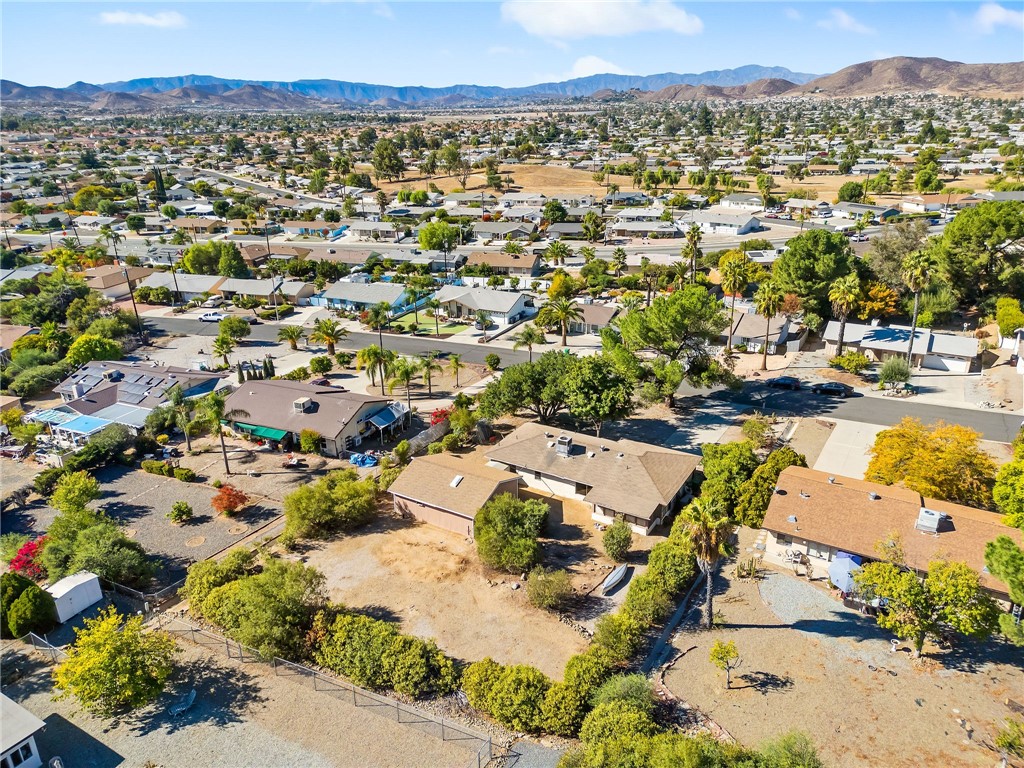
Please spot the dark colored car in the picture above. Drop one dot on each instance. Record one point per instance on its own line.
(832, 389)
(784, 382)
(320, 382)
(252, 320)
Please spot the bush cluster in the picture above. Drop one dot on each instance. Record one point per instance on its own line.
(337, 502)
(24, 607)
(506, 531)
(851, 361)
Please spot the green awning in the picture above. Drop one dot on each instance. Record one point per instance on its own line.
(267, 432)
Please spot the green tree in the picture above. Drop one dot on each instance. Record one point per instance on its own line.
(387, 161)
(768, 301)
(706, 526)
(617, 540)
(115, 664)
(506, 531)
(74, 491)
(235, 328)
(538, 387)
(1005, 561)
(89, 347)
(726, 468)
(338, 502)
(918, 271)
(517, 698)
(890, 248)
(851, 192)
(980, 250)
(756, 493)
(529, 337)
(439, 236)
(328, 332)
(428, 366)
(231, 263)
(725, 656)
(596, 392)
(737, 270)
(844, 294)
(292, 334)
(812, 262)
(321, 364)
(103, 549)
(950, 595)
(205, 258)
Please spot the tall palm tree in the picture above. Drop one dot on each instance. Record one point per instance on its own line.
(735, 271)
(223, 346)
(428, 367)
(109, 236)
(557, 252)
(619, 261)
(433, 305)
(292, 334)
(212, 412)
(693, 238)
(55, 337)
(455, 365)
(631, 301)
(512, 247)
(589, 253)
(182, 408)
(844, 294)
(482, 318)
(377, 362)
(708, 529)
(378, 316)
(560, 312)
(918, 269)
(328, 332)
(529, 337)
(412, 296)
(403, 373)
(768, 301)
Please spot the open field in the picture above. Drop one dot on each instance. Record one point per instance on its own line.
(813, 665)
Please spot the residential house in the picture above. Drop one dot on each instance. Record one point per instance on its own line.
(595, 318)
(114, 281)
(183, 286)
(374, 230)
(257, 253)
(297, 293)
(26, 272)
(796, 206)
(718, 220)
(626, 198)
(618, 479)
(485, 199)
(749, 329)
(565, 230)
(447, 490)
(859, 210)
(511, 264)
(200, 226)
(259, 289)
(818, 516)
(356, 297)
(938, 351)
(934, 203)
(18, 743)
(10, 334)
(504, 230)
(260, 227)
(653, 229)
(315, 228)
(744, 201)
(94, 223)
(279, 410)
(516, 199)
(503, 307)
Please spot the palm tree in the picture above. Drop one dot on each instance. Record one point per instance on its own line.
(844, 294)
(182, 408)
(735, 272)
(631, 301)
(455, 365)
(328, 332)
(432, 306)
(529, 337)
(693, 238)
(377, 317)
(589, 253)
(109, 236)
(223, 346)
(428, 367)
(376, 361)
(557, 252)
(918, 269)
(708, 529)
(512, 247)
(412, 296)
(768, 301)
(292, 334)
(213, 413)
(560, 312)
(619, 261)
(403, 372)
(482, 318)
(55, 337)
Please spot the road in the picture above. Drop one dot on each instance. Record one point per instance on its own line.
(999, 426)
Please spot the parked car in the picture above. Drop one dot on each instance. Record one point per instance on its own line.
(212, 302)
(321, 382)
(859, 238)
(252, 320)
(784, 382)
(212, 317)
(832, 389)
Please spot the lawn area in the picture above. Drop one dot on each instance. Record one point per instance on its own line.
(426, 325)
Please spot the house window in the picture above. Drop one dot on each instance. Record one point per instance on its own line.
(21, 754)
(820, 551)
(582, 489)
(783, 540)
(536, 474)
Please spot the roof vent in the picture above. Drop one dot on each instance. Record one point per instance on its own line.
(590, 455)
(620, 456)
(804, 495)
(791, 519)
(604, 448)
(455, 481)
(563, 445)
(928, 520)
(551, 445)
(873, 496)
(831, 480)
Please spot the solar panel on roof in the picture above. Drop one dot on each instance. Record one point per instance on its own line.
(90, 381)
(133, 398)
(131, 378)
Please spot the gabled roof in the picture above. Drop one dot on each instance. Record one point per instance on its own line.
(99, 384)
(429, 480)
(479, 298)
(365, 293)
(499, 259)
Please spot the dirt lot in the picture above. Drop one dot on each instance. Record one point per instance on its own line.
(811, 664)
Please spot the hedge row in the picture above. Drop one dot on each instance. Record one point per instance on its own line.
(156, 467)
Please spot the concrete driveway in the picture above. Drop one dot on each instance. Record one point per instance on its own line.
(847, 451)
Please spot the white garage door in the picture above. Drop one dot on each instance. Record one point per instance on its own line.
(946, 364)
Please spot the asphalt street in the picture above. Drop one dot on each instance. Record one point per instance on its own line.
(999, 426)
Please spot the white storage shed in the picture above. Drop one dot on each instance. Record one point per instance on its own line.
(73, 594)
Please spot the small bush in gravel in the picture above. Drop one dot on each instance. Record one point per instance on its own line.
(548, 588)
(217, 483)
(184, 474)
(478, 680)
(181, 512)
(32, 611)
(617, 540)
(229, 500)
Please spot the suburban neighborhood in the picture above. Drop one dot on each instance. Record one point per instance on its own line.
(615, 421)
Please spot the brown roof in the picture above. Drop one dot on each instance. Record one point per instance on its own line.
(11, 333)
(113, 274)
(750, 325)
(269, 404)
(842, 515)
(503, 260)
(343, 256)
(255, 252)
(623, 475)
(598, 314)
(428, 480)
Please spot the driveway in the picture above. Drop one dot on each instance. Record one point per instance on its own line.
(846, 453)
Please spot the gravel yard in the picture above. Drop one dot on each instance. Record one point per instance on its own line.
(813, 665)
(243, 715)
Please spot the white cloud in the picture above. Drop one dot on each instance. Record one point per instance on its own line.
(992, 15)
(576, 19)
(793, 14)
(161, 20)
(594, 65)
(839, 20)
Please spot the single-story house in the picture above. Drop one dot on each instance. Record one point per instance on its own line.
(938, 351)
(858, 210)
(257, 253)
(27, 272)
(359, 296)
(297, 293)
(748, 328)
(818, 515)
(373, 230)
(110, 279)
(647, 213)
(596, 317)
(744, 201)
(529, 213)
(93, 223)
(447, 490)
(185, 286)
(200, 226)
(10, 334)
(485, 199)
(659, 229)
(809, 207)
(18, 743)
(317, 227)
(620, 479)
(239, 286)
(568, 230)
(933, 202)
(278, 411)
(626, 198)
(511, 264)
(514, 199)
(255, 227)
(718, 220)
(503, 230)
(503, 307)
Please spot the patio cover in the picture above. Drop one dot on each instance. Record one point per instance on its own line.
(840, 572)
(388, 416)
(84, 425)
(267, 432)
(51, 416)
(129, 415)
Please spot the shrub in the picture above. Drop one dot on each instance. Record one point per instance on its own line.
(648, 602)
(439, 414)
(387, 477)
(299, 374)
(616, 720)
(74, 490)
(671, 564)
(492, 361)
(548, 588)
(506, 532)
(32, 611)
(153, 466)
(184, 474)
(217, 483)
(310, 441)
(450, 442)
(756, 493)
(282, 310)
(162, 439)
(617, 540)
(1009, 316)
(10, 543)
(634, 690)
(321, 364)
(895, 369)
(401, 452)
(229, 500)
(478, 681)
(104, 550)
(758, 430)
(434, 448)
(620, 635)
(181, 511)
(851, 361)
(339, 501)
(27, 560)
(517, 698)
(563, 710)
(206, 575)
(46, 480)
(586, 671)
(12, 586)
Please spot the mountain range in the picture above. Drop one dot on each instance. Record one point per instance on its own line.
(884, 76)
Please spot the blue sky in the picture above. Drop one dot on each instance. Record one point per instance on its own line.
(517, 42)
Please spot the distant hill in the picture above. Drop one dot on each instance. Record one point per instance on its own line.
(902, 74)
(38, 94)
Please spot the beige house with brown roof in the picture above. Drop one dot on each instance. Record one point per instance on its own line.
(819, 515)
(621, 479)
(511, 264)
(447, 490)
(110, 279)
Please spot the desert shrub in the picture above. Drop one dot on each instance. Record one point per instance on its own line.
(450, 442)
(616, 720)
(434, 448)
(310, 441)
(506, 532)
(617, 540)
(517, 698)
(563, 710)
(479, 680)
(181, 511)
(634, 690)
(492, 361)
(586, 671)
(184, 474)
(206, 575)
(851, 361)
(671, 563)
(790, 750)
(401, 452)
(153, 467)
(299, 374)
(620, 635)
(895, 369)
(339, 501)
(387, 477)
(648, 602)
(548, 588)
(228, 500)
(758, 430)
(32, 611)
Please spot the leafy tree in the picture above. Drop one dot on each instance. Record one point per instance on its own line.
(387, 161)
(439, 236)
(895, 369)
(235, 328)
(851, 192)
(756, 493)
(726, 468)
(980, 249)
(104, 550)
(24, 607)
(878, 300)
(940, 461)
(725, 656)
(228, 500)
(812, 262)
(950, 595)
(891, 247)
(1009, 316)
(506, 531)
(88, 347)
(554, 212)
(538, 387)
(617, 539)
(596, 392)
(115, 664)
(1005, 561)
(548, 588)
(74, 491)
(206, 258)
(321, 364)
(339, 501)
(706, 525)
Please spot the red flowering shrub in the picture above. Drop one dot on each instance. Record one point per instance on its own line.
(440, 415)
(26, 562)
